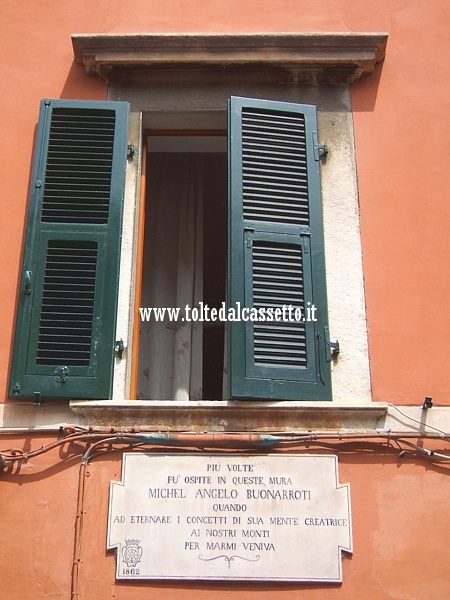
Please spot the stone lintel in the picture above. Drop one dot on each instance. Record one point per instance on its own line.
(312, 58)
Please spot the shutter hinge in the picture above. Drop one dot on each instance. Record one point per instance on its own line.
(320, 150)
(120, 348)
(131, 151)
(37, 399)
(332, 348)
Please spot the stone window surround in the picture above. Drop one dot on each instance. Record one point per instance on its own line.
(146, 69)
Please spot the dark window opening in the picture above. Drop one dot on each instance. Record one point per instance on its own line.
(185, 254)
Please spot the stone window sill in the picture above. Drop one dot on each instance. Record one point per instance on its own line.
(230, 416)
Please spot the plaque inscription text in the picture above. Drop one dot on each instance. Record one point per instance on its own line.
(229, 516)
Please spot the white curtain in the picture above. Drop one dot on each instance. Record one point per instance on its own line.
(170, 356)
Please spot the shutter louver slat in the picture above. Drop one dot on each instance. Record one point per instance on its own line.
(274, 181)
(78, 137)
(67, 304)
(275, 189)
(278, 283)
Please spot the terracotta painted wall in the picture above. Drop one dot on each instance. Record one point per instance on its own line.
(400, 517)
(402, 137)
(401, 133)
(400, 508)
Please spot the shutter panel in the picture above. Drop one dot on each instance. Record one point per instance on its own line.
(276, 261)
(66, 319)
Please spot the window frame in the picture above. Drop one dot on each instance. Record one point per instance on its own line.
(350, 385)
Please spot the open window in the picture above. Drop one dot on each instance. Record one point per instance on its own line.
(184, 266)
(270, 340)
(252, 320)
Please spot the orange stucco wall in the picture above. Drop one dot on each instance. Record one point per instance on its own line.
(400, 519)
(402, 184)
(400, 508)
(401, 134)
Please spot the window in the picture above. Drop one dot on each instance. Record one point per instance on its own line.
(65, 336)
(172, 79)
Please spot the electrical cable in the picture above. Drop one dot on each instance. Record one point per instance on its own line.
(429, 453)
(225, 441)
(442, 434)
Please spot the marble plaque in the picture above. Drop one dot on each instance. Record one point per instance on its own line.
(230, 516)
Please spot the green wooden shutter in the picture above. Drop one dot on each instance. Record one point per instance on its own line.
(276, 253)
(66, 318)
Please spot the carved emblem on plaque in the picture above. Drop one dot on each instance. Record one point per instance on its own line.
(132, 552)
